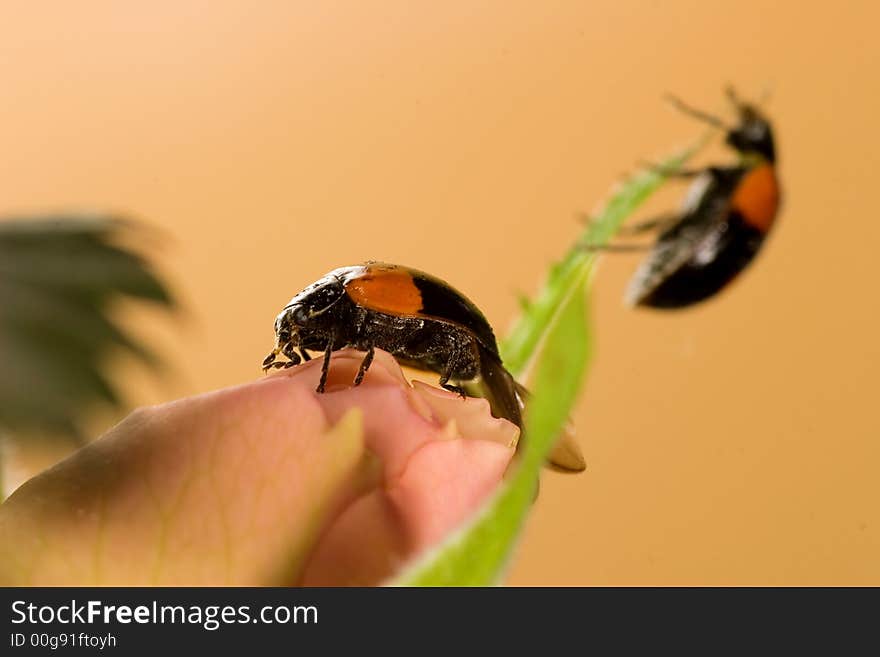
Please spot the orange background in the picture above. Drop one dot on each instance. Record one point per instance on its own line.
(737, 443)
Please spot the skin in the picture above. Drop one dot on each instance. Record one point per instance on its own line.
(266, 483)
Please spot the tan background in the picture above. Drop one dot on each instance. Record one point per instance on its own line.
(737, 443)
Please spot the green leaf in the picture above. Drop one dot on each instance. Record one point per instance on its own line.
(552, 335)
(59, 276)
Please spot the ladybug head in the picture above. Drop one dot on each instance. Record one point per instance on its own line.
(311, 310)
(753, 135)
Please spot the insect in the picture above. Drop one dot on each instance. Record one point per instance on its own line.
(421, 320)
(722, 224)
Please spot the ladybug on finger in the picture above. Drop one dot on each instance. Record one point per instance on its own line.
(419, 319)
(722, 224)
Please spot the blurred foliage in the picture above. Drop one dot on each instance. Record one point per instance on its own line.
(59, 278)
(552, 337)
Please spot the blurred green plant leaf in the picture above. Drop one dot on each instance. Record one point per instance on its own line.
(552, 337)
(59, 277)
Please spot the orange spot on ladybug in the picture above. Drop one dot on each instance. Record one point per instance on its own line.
(386, 289)
(756, 197)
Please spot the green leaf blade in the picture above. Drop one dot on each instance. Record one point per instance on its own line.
(60, 278)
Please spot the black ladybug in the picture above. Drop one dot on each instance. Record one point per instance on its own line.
(722, 224)
(421, 320)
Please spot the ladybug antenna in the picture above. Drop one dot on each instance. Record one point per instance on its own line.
(743, 107)
(766, 94)
(732, 96)
(700, 115)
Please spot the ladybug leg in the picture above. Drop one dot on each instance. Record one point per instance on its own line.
(447, 374)
(640, 227)
(325, 366)
(365, 365)
(617, 248)
(268, 361)
(698, 114)
(293, 357)
(456, 389)
(648, 225)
